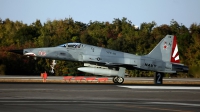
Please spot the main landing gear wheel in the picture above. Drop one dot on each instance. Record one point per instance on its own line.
(115, 79)
(118, 80)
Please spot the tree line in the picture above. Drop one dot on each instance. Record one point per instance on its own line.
(120, 34)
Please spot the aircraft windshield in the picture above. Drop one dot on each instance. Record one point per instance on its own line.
(63, 45)
(73, 45)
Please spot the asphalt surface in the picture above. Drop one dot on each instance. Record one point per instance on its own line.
(127, 80)
(37, 97)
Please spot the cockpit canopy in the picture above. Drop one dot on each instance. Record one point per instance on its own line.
(75, 45)
(71, 45)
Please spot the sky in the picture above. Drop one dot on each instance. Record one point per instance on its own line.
(184, 12)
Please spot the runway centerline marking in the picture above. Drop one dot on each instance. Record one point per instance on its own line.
(162, 87)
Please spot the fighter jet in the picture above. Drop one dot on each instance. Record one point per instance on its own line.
(164, 58)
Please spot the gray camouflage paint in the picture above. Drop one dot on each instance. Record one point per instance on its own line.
(157, 60)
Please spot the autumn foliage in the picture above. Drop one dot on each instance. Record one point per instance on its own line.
(120, 35)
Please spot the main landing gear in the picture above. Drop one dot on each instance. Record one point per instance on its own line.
(118, 80)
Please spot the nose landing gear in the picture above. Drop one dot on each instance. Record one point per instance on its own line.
(52, 66)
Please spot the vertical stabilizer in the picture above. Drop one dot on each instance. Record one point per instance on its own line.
(166, 50)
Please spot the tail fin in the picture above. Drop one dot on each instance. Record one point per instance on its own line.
(166, 50)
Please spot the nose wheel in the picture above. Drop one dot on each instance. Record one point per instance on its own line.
(118, 80)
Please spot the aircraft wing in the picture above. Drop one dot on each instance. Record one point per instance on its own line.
(117, 64)
(113, 64)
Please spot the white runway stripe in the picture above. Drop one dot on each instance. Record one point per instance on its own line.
(174, 103)
(161, 87)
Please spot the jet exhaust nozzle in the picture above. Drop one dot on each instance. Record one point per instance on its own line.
(181, 68)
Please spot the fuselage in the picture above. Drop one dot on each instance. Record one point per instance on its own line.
(107, 57)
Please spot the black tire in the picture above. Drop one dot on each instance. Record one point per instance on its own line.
(115, 79)
(120, 80)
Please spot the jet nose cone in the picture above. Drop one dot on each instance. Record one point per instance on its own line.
(17, 51)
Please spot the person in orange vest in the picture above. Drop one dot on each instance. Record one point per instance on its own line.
(44, 76)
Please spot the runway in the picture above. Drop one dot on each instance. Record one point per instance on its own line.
(17, 97)
(127, 80)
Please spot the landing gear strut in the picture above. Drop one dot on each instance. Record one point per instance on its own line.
(52, 67)
(119, 79)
